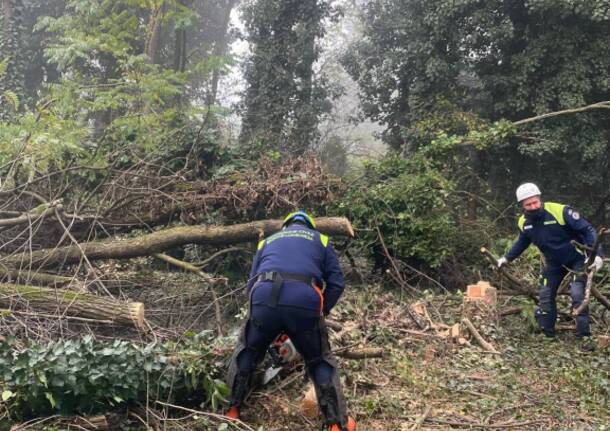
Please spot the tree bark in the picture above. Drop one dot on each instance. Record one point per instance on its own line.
(19, 276)
(156, 242)
(72, 304)
(220, 48)
(154, 39)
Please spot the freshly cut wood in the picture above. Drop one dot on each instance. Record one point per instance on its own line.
(309, 403)
(167, 238)
(480, 302)
(71, 303)
(455, 333)
(603, 341)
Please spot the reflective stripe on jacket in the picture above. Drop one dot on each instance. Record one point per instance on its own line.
(551, 231)
(297, 249)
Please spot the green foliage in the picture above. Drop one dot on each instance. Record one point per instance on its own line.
(12, 54)
(110, 96)
(284, 97)
(408, 201)
(497, 63)
(85, 376)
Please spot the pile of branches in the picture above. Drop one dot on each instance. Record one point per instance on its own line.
(144, 196)
(76, 247)
(56, 228)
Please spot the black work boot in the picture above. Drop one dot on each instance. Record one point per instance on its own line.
(334, 420)
(239, 391)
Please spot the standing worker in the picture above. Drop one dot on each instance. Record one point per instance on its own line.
(551, 227)
(286, 297)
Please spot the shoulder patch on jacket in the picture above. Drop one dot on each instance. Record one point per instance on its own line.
(574, 214)
(556, 210)
(324, 240)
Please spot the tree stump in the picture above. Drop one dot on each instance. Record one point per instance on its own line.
(481, 303)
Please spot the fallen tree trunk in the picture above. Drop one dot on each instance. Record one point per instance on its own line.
(73, 304)
(156, 242)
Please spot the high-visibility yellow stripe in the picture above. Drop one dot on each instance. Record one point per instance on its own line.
(261, 244)
(324, 240)
(556, 210)
(521, 222)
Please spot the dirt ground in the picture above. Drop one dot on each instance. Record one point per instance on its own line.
(425, 381)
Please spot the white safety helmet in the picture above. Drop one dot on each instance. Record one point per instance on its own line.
(527, 190)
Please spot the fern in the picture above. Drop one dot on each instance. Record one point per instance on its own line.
(12, 99)
(3, 67)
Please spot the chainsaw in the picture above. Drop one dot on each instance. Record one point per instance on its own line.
(282, 353)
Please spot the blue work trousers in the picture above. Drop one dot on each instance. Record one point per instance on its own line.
(546, 313)
(300, 324)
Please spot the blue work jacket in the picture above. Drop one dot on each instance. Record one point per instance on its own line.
(298, 249)
(551, 230)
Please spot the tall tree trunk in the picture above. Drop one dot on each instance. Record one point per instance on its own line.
(154, 39)
(220, 49)
(11, 34)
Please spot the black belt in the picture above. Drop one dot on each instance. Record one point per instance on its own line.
(278, 279)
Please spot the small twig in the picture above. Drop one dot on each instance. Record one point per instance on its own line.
(482, 425)
(590, 272)
(420, 420)
(212, 281)
(510, 277)
(219, 417)
(367, 353)
(204, 263)
(484, 344)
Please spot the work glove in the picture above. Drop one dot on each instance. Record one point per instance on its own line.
(597, 264)
(502, 261)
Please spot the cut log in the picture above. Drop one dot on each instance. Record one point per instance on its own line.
(454, 332)
(71, 303)
(158, 241)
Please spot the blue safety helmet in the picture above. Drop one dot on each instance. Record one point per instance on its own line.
(301, 216)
